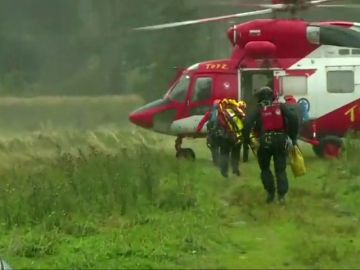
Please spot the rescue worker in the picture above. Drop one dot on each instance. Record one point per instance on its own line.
(231, 120)
(224, 136)
(294, 107)
(212, 138)
(272, 122)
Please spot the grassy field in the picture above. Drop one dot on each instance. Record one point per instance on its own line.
(115, 197)
(44, 113)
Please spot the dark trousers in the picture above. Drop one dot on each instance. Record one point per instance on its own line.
(273, 146)
(213, 143)
(229, 150)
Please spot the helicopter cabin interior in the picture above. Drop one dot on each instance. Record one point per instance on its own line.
(251, 81)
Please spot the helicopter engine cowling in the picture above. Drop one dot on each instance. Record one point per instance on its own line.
(260, 49)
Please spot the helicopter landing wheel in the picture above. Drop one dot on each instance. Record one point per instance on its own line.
(329, 147)
(184, 153)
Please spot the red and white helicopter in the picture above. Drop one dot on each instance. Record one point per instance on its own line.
(318, 63)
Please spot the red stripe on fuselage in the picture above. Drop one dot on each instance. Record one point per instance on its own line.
(340, 120)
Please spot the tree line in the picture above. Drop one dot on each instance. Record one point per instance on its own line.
(86, 47)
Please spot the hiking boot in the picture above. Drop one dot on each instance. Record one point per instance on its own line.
(225, 174)
(282, 200)
(270, 198)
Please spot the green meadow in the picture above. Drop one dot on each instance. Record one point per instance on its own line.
(82, 188)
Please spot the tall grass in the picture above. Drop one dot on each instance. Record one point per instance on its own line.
(39, 113)
(345, 176)
(96, 180)
(114, 197)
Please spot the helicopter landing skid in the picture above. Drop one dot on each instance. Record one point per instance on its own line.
(185, 153)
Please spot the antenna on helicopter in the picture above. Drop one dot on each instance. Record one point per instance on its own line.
(292, 6)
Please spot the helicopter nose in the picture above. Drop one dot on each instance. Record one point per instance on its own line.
(142, 119)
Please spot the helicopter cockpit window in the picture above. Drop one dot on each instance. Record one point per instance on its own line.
(179, 92)
(202, 89)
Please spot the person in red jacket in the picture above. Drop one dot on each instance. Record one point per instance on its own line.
(274, 123)
(293, 106)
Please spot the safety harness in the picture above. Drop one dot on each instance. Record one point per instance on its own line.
(272, 118)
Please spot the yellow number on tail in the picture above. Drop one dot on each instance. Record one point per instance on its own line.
(351, 112)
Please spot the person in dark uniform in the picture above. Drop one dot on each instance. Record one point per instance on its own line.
(212, 138)
(294, 107)
(272, 122)
(224, 135)
(229, 149)
(233, 113)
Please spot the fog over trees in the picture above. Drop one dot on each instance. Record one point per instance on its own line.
(86, 47)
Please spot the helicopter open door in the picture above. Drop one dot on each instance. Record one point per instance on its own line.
(252, 80)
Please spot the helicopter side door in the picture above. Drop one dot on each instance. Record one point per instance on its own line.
(205, 88)
(198, 101)
(200, 95)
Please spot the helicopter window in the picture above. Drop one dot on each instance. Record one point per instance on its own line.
(179, 92)
(355, 51)
(293, 85)
(203, 88)
(313, 34)
(344, 52)
(340, 81)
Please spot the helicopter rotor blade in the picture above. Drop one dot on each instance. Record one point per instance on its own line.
(316, 2)
(205, 20)
(339, 6)
(271, 6)
(284, 6)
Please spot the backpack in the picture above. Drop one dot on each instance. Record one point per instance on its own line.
(272, 118)
(213, 121)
